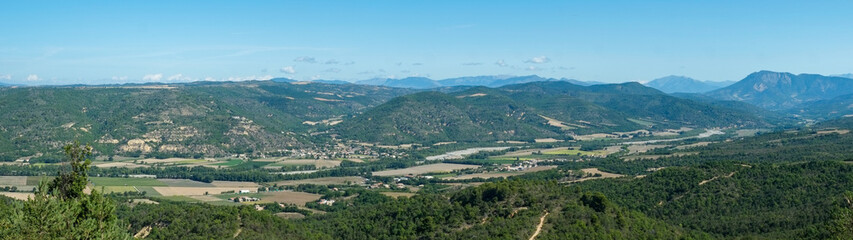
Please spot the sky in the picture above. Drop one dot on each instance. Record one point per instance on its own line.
(98, 42)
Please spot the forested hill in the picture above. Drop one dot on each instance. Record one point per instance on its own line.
(501, 210)
(534, 110)
(204, 118)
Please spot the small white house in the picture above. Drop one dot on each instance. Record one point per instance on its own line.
(244, 191)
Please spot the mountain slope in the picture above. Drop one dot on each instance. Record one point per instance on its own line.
(438, 117)
(533, 110)
(777, 91)
(205, 118)
(641, 102)
(673, 84)
(841, 106)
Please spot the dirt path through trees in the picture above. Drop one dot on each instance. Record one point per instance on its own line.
(539, 227)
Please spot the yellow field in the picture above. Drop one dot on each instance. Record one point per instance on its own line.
(118, 189)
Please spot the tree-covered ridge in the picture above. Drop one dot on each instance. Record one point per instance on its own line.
(210, 119)
(729, 199)
(507, 209)
(528, 111)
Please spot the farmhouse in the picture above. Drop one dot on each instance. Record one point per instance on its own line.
(326, 202)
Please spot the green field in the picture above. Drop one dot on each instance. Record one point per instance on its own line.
(149, 191)
(230, 163)
(110, 181)
(190, 161)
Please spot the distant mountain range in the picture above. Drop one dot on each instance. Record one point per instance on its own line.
(681, 84)
(487, 81)
(780, 91)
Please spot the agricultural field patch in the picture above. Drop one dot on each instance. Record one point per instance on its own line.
(111, 181)
(149, 191)
(184, 183)
(234, 184)
(576, 152)
(325, 181)
(229, 163)
(35, 180)
(192, 191)
(398, 194)
(17, 195)
(116, 189)
(430, 168)
(13, 180)
(120, 165)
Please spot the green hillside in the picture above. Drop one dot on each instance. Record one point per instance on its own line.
(534, 110)
(197, 119)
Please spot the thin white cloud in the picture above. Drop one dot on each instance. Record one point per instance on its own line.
(180, 78)
(531, 68)
(288, 70)
(349, 63)
(210, 79)
(117, 78)
(33, 77)
(332, 70)
(332, 61)
(539, 59)
(305, 60)
(501, 63)
(472, 64)
(6, 77)
(153, 77)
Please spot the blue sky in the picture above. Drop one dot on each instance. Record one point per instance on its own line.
(61, 42)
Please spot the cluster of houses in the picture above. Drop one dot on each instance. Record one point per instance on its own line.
(520, 167)
(244, 199)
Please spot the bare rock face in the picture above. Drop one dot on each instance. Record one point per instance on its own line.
(134, 145)
(779, 91)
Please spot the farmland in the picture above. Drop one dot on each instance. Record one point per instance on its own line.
(325, 181)
(430, 168)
